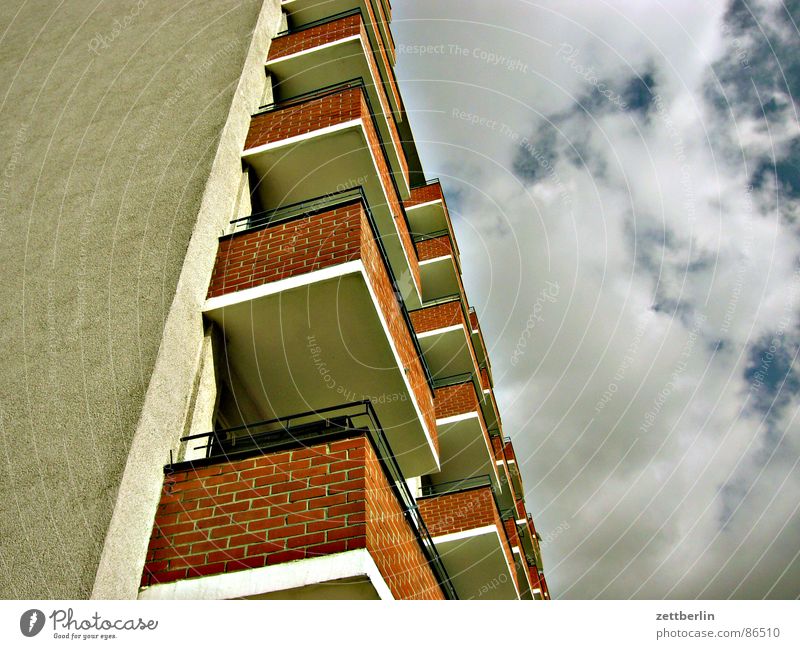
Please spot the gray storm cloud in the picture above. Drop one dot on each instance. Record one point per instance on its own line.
(643, 158)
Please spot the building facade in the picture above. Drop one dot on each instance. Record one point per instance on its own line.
(318, 418)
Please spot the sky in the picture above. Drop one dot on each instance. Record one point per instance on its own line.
(624, 181)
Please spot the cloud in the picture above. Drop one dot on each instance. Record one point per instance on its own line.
(646, 163)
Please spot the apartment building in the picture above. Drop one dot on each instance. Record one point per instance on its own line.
(317, 418)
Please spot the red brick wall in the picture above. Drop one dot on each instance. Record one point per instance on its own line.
(335, 108)
(454, 400)
(497, 445)
(394, 204)
(437, 317)
(511, 532)
(520, 506)
(456, 512)
(304, 245)
(305, 117)
(392, 545)
(508, 449)
(425, 194)
(293, 248)
(314, 36)
(486, 384)
(533, 574)
(433, 248)
(281, 507)
(543, 584)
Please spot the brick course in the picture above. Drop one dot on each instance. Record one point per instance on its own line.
(437, 317)
(425, 194)
(454, 400)
(280, 507)
(288, 249)
(433, 248)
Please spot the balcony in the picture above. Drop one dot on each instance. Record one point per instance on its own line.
(335, 51)
(308, 305)
(325, 142)
(491, 410)
(468, 531)
(443, 333)
(520, 559)
(376, 18)
(529, 541)
(505, 495)
(438, 266)
(540, 590)
(464, 444)
(513, 467)
(545, 594)
(479, 343)
(427, 213)
(309, 506)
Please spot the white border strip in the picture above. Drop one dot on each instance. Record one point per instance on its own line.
(275, 579)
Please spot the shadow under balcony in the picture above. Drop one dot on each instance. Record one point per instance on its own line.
(308, 306)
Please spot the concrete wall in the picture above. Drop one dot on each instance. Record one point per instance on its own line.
(111, 125)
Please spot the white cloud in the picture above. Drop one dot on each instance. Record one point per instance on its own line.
(635, 427)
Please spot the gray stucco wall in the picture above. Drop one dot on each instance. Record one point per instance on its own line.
(110, 119)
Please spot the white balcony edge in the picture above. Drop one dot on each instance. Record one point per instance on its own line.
(425, 204)
(466, 534)
(435, 259)
(440, 331)
(281, 285)
(289, 141)
(316, 48)
(274, 579)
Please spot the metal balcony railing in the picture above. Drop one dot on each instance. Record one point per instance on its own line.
(313, 427)
(432, 235)
(304, 209)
